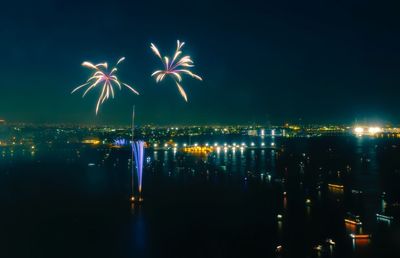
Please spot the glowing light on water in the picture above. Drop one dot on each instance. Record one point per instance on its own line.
(374, 130)
(358, 130)
(384, 218)
(138, 150)
(360, 236)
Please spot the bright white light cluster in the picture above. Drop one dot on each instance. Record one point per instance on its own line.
(370, 130)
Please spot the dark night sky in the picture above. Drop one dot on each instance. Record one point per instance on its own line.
(319, 61)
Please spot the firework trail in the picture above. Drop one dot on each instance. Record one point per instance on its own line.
(175, 67)
(138, 151)
(104, 79)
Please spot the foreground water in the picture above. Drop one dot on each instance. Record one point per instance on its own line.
(227, 204)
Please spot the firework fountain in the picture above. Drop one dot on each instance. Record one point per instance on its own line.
(138, 152)
(137, 156)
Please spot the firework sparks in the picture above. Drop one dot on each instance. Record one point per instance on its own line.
(138, 151)
(175, 67)
(105, 79)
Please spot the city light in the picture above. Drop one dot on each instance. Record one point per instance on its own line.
(358, 130)
(374, 130)
(198, 150)
(91, 141)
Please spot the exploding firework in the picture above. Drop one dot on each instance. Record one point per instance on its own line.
(175, 67)
(105, 79)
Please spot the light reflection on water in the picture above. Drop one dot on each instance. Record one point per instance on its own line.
(206, 199)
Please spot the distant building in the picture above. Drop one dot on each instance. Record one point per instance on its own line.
(252, 133)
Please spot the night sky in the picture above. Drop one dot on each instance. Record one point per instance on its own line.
(261, 61)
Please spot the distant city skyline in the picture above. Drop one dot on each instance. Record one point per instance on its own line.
(355, 124)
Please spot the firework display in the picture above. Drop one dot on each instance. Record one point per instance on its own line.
(175, 67)
(105, 79)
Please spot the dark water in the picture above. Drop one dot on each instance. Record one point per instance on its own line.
(225, 205)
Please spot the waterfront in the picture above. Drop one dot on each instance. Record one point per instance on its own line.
(226, 204)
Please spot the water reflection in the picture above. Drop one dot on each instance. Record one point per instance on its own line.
(194, 202)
